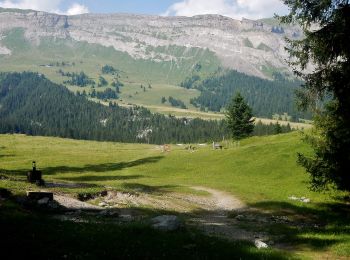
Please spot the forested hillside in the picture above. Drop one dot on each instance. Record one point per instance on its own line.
(266, 97)
(31, 104)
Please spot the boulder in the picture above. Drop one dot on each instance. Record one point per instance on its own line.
(260, 244)
(166, 222)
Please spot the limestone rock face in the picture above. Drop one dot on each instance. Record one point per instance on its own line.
(247, 46)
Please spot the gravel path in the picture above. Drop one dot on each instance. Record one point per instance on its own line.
(74, 204)
(210, 213)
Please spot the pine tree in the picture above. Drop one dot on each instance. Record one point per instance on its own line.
(326, 25)
(239, 118)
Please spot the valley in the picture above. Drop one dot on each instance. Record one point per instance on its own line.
(142, 182)
(135, 136)
(161, 53)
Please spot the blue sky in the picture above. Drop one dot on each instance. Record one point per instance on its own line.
(253, 9)
(128, 6)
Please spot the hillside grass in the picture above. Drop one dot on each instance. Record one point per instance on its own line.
(90, 58)
(261, 171)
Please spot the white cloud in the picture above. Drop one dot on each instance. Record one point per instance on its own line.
(51, 6)
(41, 5)
(77, 9)
(253, 9)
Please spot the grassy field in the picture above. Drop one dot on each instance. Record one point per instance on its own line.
(262, 172)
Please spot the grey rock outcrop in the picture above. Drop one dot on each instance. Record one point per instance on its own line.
(247, 46)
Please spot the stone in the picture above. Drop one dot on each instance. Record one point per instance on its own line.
(293, 198)
(302, 199)
(103, 204)
(126, 217)
(305, 200)
(239, 217)
(166, 223)
(108, 213)
(260, 244)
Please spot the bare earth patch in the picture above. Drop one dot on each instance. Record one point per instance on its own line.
(207, 213)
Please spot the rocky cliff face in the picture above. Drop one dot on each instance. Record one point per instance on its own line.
(247, 46)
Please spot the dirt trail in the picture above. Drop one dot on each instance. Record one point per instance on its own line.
(208, 213)
(74, 204)
(222, 200)
(216, 221)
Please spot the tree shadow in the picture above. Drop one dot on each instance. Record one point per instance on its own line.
(70, 185)
(137, 187)
(108, 238)
(302, 226)
(92, 178)
(6, 155)
(316, 227)
(105, 167)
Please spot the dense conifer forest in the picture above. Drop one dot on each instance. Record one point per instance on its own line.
(31, 104)
(266, 97)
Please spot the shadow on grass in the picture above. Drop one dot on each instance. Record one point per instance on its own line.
(6, 155)
(92, 178)
(57, 239)
(149, 189)
(317, 226)
(105, 167)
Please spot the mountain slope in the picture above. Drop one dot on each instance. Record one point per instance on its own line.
(248, 46)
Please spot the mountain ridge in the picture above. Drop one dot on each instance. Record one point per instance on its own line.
(247, 46)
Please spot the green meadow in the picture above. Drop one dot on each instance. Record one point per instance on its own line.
(260, 171)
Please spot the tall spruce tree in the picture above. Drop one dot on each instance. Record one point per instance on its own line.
(239, 118)
(326, 25)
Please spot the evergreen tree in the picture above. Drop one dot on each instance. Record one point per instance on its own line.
(327, 47)
(239, 118)
(277, 128)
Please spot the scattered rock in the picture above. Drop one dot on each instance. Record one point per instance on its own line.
(108, 213)
(166, 222)
(260, 244)
(89, 196)
(103, 204)
(302, 199)
(3, 177)
(239, 217)
(126, 217)
(305, 200)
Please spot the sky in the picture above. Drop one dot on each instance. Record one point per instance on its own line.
(252, 9)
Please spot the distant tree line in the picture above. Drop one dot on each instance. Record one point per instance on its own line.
(33, 105)
(266, 97)
(176, 102)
